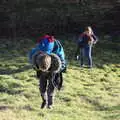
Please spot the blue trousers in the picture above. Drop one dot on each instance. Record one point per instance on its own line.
(86, 52)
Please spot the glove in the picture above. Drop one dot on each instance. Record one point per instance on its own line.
(63, 67)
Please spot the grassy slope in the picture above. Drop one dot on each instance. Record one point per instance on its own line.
(86, 95)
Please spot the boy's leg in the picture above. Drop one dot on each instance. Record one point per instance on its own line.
(50, 92)
(42, 88)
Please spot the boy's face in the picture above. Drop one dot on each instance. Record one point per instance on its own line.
(44, 62)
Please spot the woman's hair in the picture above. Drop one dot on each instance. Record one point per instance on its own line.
(88, 28)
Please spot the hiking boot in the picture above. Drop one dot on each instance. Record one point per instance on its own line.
(49, 106)
(82, 66)
(43, 104)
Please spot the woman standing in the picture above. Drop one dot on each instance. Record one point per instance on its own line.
(85, 43)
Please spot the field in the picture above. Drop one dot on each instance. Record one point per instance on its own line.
(87, 94)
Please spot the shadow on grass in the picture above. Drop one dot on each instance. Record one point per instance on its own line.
(95, 103)
(26, 107)
(9, 71)
(4, 107)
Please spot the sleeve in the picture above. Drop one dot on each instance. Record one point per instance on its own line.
(94, 37)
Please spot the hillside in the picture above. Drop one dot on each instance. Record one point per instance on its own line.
(86, 95)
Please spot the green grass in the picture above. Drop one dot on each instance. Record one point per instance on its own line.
(86, 95)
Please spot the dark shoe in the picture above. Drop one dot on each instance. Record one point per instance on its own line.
(43, 104)
(49, 107)
(82, 66)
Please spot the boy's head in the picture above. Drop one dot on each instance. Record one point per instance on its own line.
(43, 61)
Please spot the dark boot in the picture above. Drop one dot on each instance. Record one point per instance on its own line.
(43, 104)
(44, 100)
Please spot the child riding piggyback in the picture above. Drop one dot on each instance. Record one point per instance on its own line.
(48, 44)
